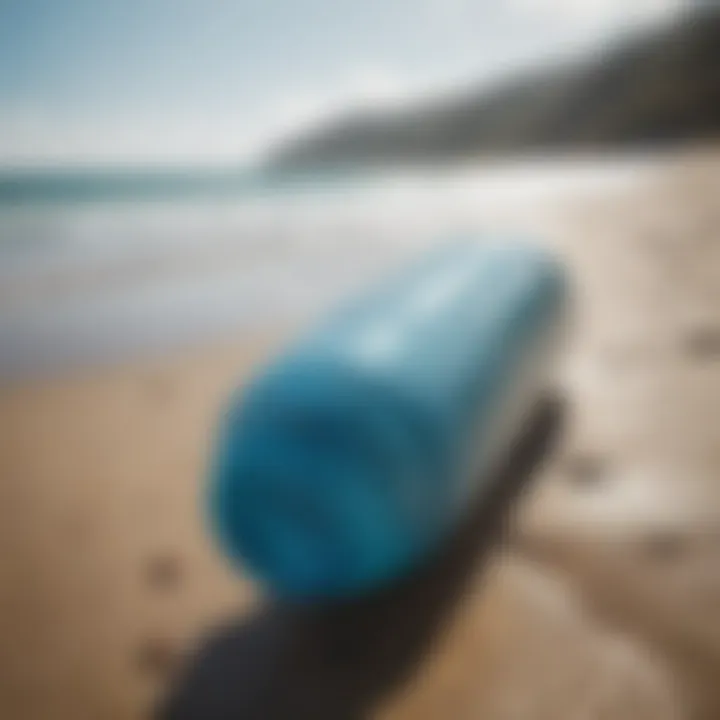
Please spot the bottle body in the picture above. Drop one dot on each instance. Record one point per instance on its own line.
(351, 457)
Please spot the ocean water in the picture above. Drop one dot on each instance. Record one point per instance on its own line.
(101, 266)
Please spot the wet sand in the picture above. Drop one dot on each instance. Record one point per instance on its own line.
(606, 602)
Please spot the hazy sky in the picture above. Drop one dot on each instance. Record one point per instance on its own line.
(86, 80)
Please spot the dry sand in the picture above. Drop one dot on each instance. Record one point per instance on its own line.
(605, 605)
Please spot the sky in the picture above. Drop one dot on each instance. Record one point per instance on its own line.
(218, 80)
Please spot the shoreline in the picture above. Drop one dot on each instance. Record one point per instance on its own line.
(106, 301)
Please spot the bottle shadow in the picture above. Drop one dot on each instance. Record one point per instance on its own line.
(336, 661)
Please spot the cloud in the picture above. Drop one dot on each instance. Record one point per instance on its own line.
(377, 84)
(603, 11)
(365, 86)
(32, 134)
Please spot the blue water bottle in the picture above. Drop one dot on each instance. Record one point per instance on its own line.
(352, 456)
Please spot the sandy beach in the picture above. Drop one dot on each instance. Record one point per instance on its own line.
(106, 567)
(605, 604)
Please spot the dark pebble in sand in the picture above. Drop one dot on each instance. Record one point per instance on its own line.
(664, 546)
(164, 572)
(703, 342)
(80, 530)
(585, 470)
(156, 656)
